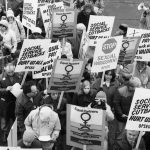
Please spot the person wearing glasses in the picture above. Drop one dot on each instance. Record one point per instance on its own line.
(29, 100)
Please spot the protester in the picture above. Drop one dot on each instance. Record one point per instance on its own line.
(84, 15)
(2, 11)
(128, 139)
(29, 140)
(30, 99)
(142, 71)
(7, 99)
(44, 122)
(9, 38)
(66, 49)
(17, 27)
(85, 96)
(36, 33)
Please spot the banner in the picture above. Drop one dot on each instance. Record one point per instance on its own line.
(128, 50)
(139, 115)
(50, 56)
(12, 136)
(133, 32)
(18, 148)
(66, 75)
(64, 23)
(106, 54)
(85, 126)
(143, 51)
(32, 54)
(29, 13)
(46, 12)
(44, 2)
(100, 26)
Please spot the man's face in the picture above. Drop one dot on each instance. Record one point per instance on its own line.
(132, 136)
(141, 65)
(9, 70)
(33, 92)
(27, 144)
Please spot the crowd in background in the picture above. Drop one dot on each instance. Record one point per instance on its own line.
(35, 106)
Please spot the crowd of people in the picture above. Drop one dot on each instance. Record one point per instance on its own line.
(35, 107)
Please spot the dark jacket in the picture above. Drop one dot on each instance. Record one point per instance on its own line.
(122, 103)
(83, 18)
(7, 99)
(83, 99)
(24, 106)
(123, 144)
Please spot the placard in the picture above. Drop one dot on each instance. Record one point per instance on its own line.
(100, 26)
(128, 50)
(106, 54)
(85, 126)
(139, 115)
(64, 23)
(29, 13)
(46, 12)
(32, 54)
(133, 32)
(66, 75)
(50, 56)
(44, 2)
(143, 51)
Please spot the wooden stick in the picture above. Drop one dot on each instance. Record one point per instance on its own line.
(46, 83)
(134, 66)
(6, 3)
(102, 80)
(24, 77)
(139, 139)
(84, 147)
(60, 99)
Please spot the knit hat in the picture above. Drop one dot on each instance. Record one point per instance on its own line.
(4, 23)
(81, 26)
(101, 95)
(28, 136)
(45, 113)
(37, 30)
(10, 13)
(134, 81)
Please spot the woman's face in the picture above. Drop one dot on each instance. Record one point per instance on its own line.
(88, 11)
(86, 89)
(54, 95)
(10, 19)
(108, 76)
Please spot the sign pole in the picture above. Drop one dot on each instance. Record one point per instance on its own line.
(139, 139)
(6, 3)
(102, 80)
(84, 147)
(60, 99)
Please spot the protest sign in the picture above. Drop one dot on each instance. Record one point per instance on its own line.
(32, 54)
(46, 12)
(12, 136)
(128, 50)
(139, 115)
(100, 26)
(66, 75)
(29, 13)
(16, 90)
(44, 2)
(133, 32)
(85, 126)
(143, 51)
(106, 54)
(64, 23)
(50, 56)
(18, 148)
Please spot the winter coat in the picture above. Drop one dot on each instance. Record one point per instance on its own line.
(32, 122)
(122, 103)
(123, 144)
(24, 106)
(18, 28)
(7, 99)
(83, 99)
(83, 18)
